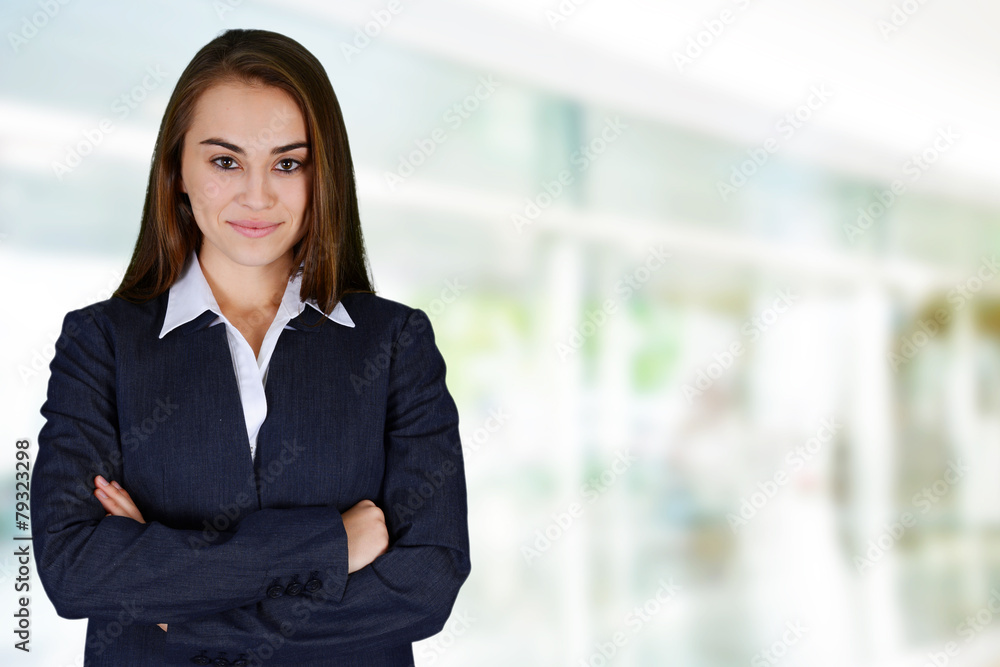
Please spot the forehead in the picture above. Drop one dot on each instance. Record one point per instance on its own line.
(240, 113)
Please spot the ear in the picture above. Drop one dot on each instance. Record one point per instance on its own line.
(183, 187)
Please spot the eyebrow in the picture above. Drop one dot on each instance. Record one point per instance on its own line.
(239, 151)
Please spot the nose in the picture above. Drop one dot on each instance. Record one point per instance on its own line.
(256, 194)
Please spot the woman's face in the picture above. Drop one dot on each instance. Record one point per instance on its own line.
(246, 169)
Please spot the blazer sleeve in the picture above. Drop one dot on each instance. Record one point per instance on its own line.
(407, 593)
(92, 565)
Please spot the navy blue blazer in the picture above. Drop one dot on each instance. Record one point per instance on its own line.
(245, 558)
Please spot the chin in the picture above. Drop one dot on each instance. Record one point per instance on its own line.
(256, 256)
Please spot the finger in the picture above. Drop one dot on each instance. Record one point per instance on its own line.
(116, 502)
(126, 502)
(129, 508)
(118, 486)
(113, 489)
(111, 504)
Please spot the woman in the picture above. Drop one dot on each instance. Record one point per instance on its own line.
(225, 476)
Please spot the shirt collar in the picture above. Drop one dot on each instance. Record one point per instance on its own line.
(191, 296)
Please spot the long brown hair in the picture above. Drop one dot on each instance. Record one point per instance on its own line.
(332, 250)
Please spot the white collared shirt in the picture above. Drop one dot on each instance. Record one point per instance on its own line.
(191, 295)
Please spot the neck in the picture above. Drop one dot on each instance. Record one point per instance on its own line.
(244, 289)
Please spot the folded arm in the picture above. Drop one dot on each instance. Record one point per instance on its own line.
(407, 593)
(92, 565)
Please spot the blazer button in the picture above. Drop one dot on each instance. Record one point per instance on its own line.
(240, 661)
(221, 662)
(201, 660)
(313, 585)
(293, 588)
(275, 590)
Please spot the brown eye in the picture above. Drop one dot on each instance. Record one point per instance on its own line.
(225, 162)
(288, 164)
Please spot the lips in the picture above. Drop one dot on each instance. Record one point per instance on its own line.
(253, 228)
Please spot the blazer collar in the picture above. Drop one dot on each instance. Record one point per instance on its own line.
(191, 305)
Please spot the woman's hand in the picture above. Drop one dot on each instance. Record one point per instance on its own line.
(367, 537)
(118, 502)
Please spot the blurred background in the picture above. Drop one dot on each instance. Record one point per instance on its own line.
(714, 282)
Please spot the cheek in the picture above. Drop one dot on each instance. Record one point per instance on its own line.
(296, 196)
(207, 189)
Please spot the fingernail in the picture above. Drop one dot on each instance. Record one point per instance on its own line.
(102, 494)
(115, 484)
(102, 481)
